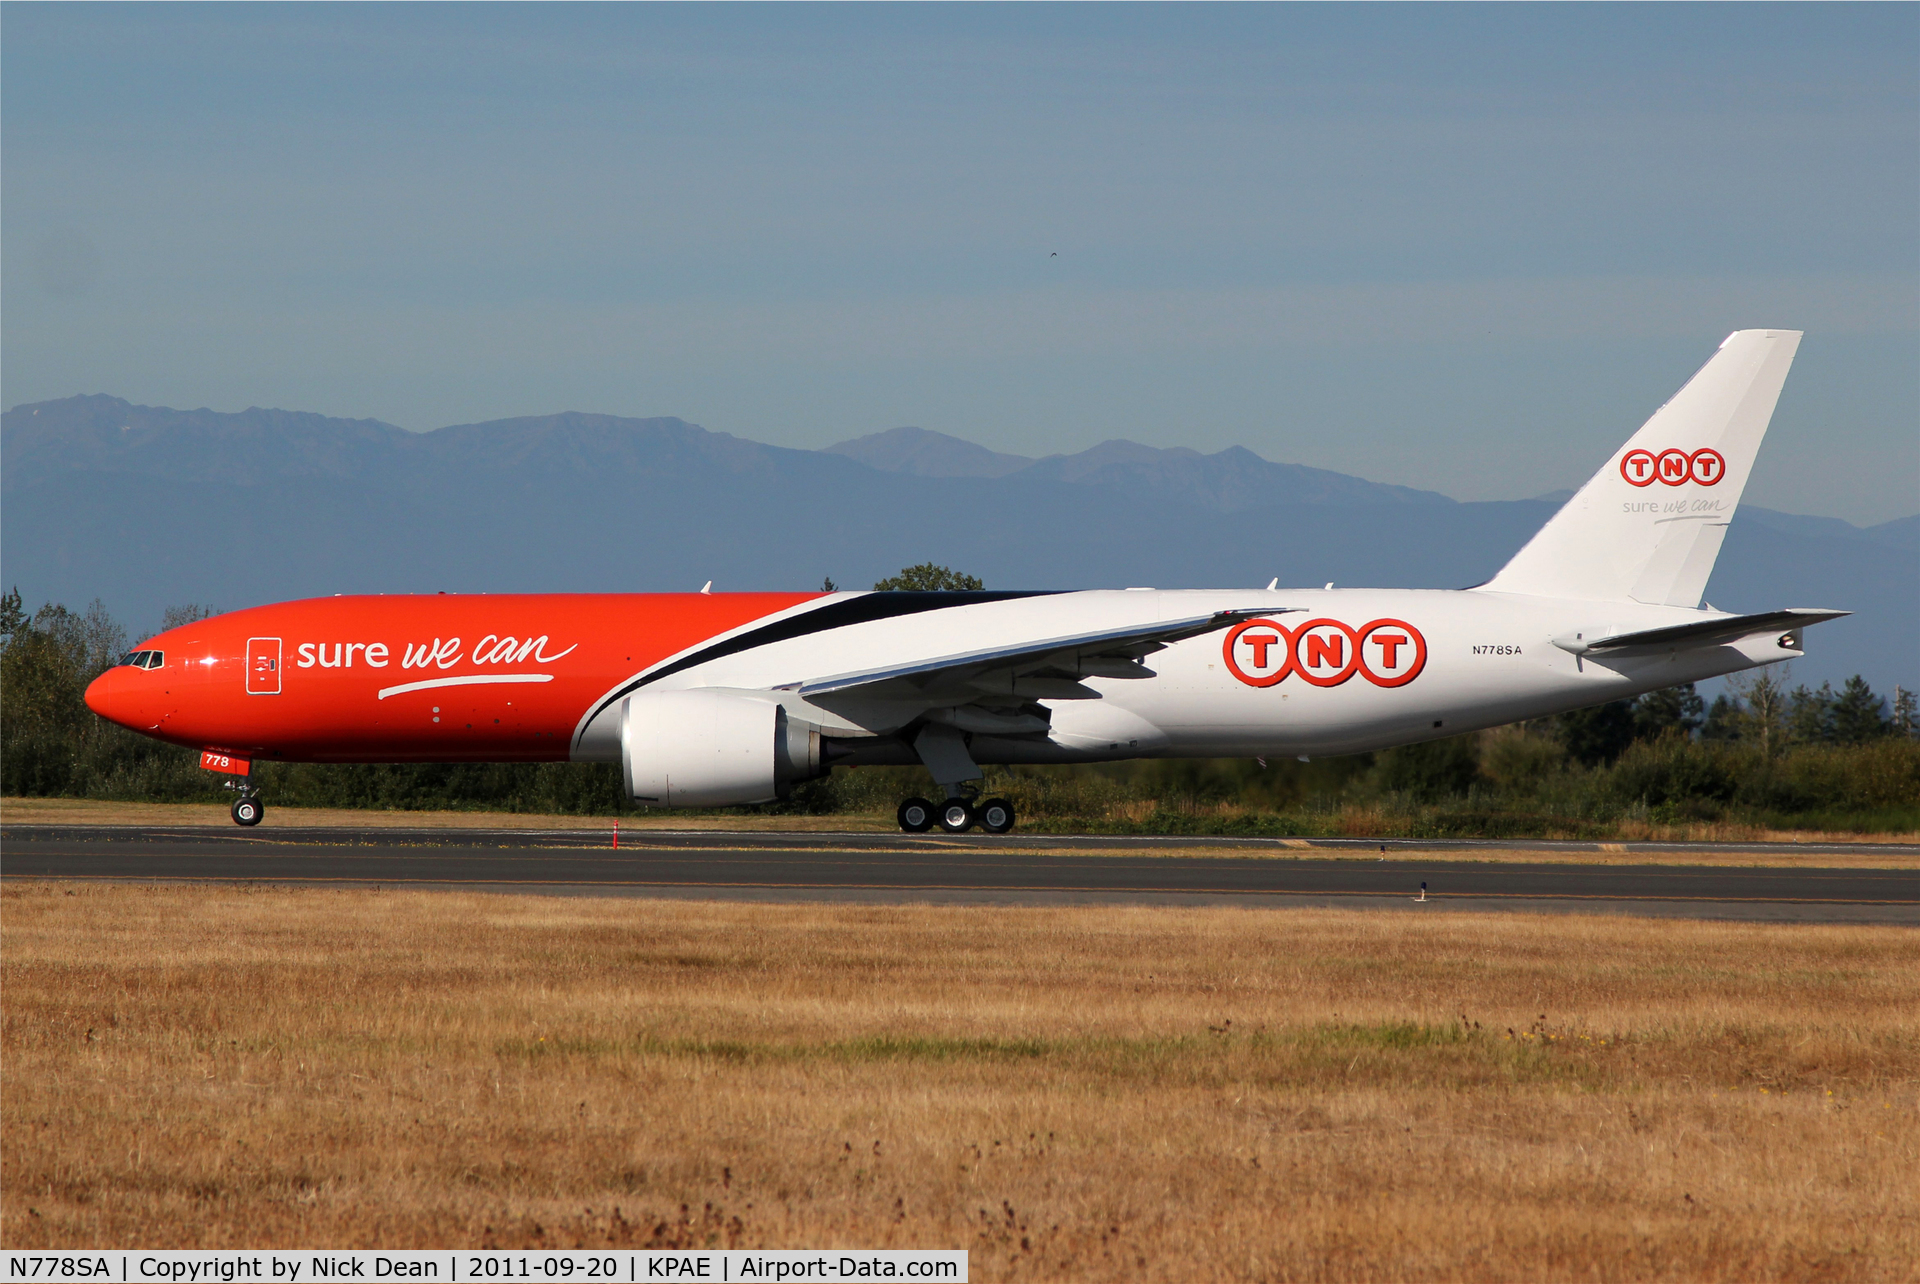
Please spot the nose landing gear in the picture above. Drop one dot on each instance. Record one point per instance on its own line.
(247, 809)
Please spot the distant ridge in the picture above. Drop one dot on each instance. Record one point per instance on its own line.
(919, 452)
(146, 507)
(106, 433)
(1231, 480)
(254, 445)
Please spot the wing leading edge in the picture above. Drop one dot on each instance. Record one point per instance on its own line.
(1113, 653)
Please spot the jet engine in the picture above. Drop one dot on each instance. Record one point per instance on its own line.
(712, 747)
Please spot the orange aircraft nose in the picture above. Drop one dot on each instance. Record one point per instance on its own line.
(100, 696)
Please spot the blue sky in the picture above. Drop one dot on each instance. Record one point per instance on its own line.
(1456, 247)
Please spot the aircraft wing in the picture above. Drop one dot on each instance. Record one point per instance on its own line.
(1044, 668)
(1720, 628)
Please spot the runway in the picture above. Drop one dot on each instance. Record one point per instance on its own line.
(975, 869)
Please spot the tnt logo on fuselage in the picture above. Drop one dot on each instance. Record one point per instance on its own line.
(1325, 653)
(1673, 467)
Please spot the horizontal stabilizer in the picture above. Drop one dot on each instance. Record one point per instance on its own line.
(1709, 632)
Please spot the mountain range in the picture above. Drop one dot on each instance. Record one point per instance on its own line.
(145, 507)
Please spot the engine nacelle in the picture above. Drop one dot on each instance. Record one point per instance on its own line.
(712, 747)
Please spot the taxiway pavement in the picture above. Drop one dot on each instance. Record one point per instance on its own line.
(981, 869)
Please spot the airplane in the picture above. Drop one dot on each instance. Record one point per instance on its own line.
(719, 699)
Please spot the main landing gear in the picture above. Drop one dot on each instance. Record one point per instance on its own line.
(247, 808)
(943, 749)
(956, 815)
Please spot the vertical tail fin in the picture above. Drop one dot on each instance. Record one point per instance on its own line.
(1647, 527)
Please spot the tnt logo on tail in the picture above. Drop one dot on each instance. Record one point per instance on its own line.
(1673, 467)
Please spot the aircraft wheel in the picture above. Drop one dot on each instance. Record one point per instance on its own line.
(248, 811)
(996, 815)
(956, 817)
(916, 815)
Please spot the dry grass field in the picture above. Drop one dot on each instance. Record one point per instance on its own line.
(1084, 1093)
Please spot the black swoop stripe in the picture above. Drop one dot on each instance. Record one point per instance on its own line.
(867, 607)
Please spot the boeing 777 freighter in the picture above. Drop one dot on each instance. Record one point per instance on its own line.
(717, 699)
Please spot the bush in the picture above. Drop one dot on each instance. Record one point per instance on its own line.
(1430, 772)
(1878, 774)
(1673, 771)
(1516, 760)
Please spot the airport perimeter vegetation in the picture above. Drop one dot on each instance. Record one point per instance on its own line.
(1670, 791)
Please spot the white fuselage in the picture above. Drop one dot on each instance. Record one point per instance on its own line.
(1490, 658)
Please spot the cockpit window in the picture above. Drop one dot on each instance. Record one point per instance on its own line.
(144, 659)
(155, 659)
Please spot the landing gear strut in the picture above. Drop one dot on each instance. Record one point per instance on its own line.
(247, 808)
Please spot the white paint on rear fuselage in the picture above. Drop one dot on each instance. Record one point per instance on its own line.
(1206, 711)
(1196, 707)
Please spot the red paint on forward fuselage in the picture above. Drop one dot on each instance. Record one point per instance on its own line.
(446, 678)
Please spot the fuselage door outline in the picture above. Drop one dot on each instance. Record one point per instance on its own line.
(263, 666)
